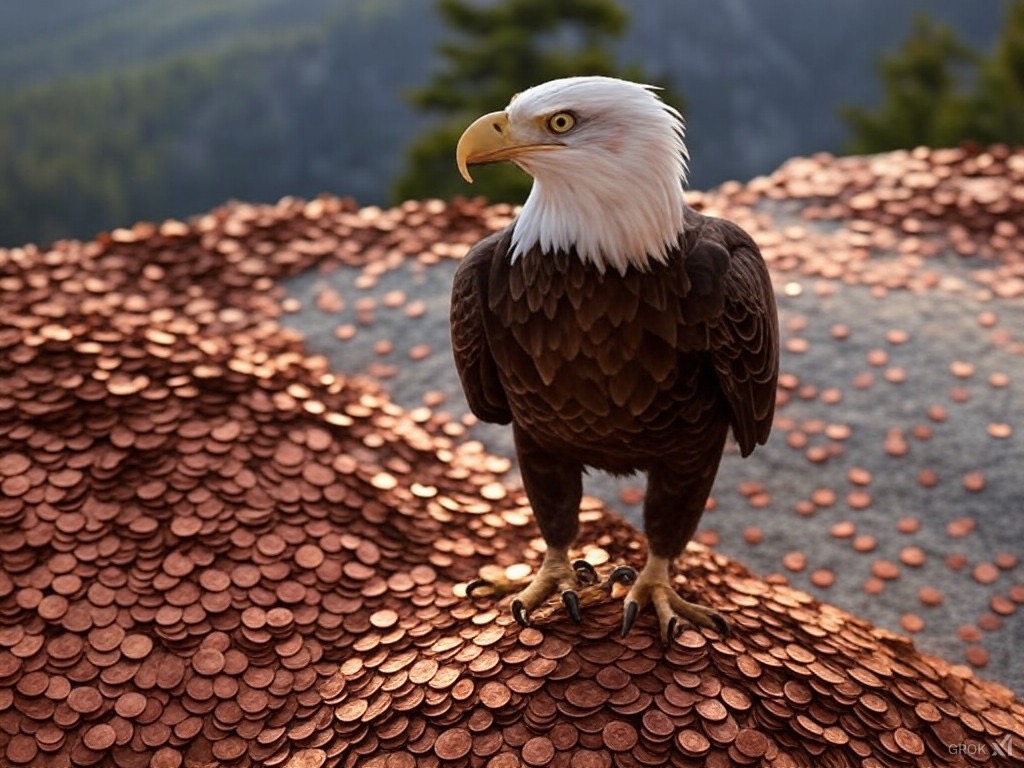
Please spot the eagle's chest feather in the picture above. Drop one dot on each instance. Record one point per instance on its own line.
(590, 357)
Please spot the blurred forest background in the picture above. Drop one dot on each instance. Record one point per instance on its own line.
(118, 110)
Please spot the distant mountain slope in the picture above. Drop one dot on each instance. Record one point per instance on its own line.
(764, 80)
(59, 38)
(114, 110)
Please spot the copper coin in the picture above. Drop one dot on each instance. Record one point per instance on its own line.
(130, 704)
(658, 724)
(822, 578)
(619, 736)
(208, 661)
(974, 481)
(538, 751)
(985, 573)
(712, 709)
(85, 700)
(585, 694)
(794, 561)
(692, 743)
(99, 737)
(752, 743)
(21, 749)
(494, 695)
(453, 744)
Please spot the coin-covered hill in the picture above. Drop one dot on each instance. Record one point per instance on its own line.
(890, 484)
(218, 550)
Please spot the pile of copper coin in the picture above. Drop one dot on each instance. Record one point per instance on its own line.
(216, 551)
(918, 203)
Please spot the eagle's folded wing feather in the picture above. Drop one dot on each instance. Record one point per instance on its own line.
(744, 345)
(473, 360)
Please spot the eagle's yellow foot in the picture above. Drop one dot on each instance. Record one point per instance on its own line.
(575, 582)
(654, 585)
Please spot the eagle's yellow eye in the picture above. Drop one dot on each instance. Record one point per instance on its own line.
(561, 122)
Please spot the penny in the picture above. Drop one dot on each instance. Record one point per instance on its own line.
(977, 656)
(538, 751)
(130, 704)
(974, 481)
(864, 543)
(85, 700)
(795, 561)
(692, 743)
(1006, 560)
(985, 573)
(453, 744)
(309, 556)
(885, 569)
(384, 619)
(658, 724)
(208, 661)
(711, 709)
(822, 578)
(1000, 430)
(99, 737)
(585, 694)
(843, 530)
(751, 743)
(21, 749)
(494, 695)
(908, 525)
(619, 736)
(911, 622)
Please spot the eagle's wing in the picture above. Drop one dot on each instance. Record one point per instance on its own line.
(731, 288)
(473, 359)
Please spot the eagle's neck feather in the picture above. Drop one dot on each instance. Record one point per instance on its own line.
(613, 210)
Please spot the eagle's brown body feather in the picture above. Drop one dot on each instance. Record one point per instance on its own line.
(645, 370)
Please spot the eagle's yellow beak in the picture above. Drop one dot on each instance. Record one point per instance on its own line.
(489, 139)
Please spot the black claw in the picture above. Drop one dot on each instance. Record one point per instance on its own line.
(585, 572)
(721, 626)
(673, 629)
(519, 614)
(477, 584)
(623, 574)
(629, 616)
(571, 601)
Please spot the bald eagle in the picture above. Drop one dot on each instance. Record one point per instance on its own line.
(614, 327)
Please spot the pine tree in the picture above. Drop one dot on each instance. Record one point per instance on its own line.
(502, 48)
(940, 92)
(924, 100)
(997, 107)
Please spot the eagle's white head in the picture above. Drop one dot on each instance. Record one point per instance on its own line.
(608, 164)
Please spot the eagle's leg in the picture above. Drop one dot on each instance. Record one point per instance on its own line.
(554, 486)
(672, 508)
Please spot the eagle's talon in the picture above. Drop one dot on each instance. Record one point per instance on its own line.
(585, 572)
(519, 614)
(721, 625)
(571, 601)
(622, 574)
(654, 587)
(478, 584)
(673, 631)
(629, 612)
